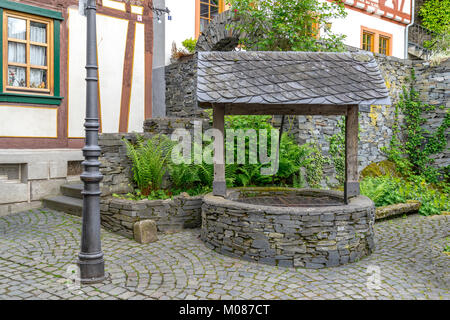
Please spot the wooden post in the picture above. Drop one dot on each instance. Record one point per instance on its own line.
(351, 185)
(219, 184)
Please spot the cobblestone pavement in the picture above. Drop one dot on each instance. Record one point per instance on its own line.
(38, 247)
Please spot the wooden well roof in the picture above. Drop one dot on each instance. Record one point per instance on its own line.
(290, 79)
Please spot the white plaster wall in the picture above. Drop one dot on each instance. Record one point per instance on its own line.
(351, 27)
(77, 74)
(111, 42)
(16, 121)
(137, 103)
(182, 25)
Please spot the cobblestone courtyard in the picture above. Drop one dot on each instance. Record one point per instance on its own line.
(37, 249)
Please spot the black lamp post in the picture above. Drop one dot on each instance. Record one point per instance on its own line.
(90, 258)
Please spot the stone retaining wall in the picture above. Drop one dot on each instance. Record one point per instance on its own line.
(311, 237)
(171, 215)
(114, 163)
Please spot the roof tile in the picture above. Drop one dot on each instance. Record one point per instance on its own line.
(289, 78)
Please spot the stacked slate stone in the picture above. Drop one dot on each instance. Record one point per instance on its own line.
(168, 125)
(115, 165)
(314, 237)
(171, 215)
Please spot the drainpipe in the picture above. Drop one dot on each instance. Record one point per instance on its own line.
(413, 5)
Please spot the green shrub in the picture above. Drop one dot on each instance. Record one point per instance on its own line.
(387, 190)
(190, 44)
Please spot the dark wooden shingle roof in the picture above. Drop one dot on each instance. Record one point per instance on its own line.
(289, 78)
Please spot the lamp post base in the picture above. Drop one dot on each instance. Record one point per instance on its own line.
(92, 270)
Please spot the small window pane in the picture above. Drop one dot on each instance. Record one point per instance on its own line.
(38, 78)
(17, 28)
(17, 77)
(17, 52)
(214, 11)
(38, 55)
(204, 10)
(38, 32)
(214, 2)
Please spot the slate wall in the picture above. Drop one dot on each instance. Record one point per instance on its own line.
(313, 237)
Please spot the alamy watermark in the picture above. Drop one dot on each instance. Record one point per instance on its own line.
(374, 280)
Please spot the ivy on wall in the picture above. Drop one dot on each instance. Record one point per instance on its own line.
(413, 154)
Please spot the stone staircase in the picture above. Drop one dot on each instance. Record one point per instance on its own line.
(71, 200)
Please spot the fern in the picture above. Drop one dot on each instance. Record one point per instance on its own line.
(150, 159)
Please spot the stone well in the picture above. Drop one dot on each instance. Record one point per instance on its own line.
(310, 228)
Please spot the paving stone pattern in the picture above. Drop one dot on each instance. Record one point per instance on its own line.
(37, 247)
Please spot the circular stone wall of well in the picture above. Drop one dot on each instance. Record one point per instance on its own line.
(300, 228)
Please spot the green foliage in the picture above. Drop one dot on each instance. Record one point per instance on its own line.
(414, 154)
(436, 15)
(150, 159)
(387, 190)
(314, 167)
(293, 157)
(382, 190)
(288, 25)
(183, 175)
(190, 44)
(447, 245)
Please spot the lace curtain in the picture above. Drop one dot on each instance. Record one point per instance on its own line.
(17, 28)
(17, 53)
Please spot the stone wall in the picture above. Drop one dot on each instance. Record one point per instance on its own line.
(375, 121)
(171, 215)
(433, 83)
(114, 163)
(181, 88)
(168, 125)
(313, 237)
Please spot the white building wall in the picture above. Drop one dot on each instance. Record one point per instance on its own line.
(351, 27)
(111, 43)
(182, 25)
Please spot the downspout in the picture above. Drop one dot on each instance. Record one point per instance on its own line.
(413, 5)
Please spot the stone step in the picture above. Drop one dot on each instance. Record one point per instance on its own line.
(65, 204)
(72, 190)
(74, 179)
(3, 177)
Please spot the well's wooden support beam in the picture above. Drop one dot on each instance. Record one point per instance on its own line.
(285, 109)
(219, 184)
(351, 186)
